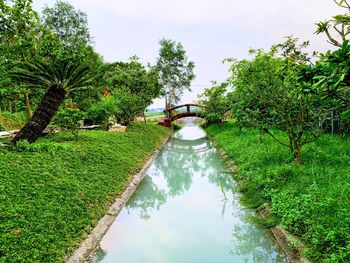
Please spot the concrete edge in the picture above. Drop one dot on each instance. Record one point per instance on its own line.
(282, 237)
(91, 242)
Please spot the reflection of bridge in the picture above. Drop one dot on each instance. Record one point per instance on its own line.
(170, 117)
(181, 146)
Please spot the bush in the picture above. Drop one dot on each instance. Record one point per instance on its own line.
(177, 127)
(129, 105)
(69, 119)
(216, 103)
(100, 112)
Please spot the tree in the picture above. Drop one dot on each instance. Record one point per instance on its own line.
(216, 102)
(69, 25)
(329, 79)
(250, 78)
(19, 33)
(273, 80)
(102, 110)
(60, 78)
(336, 29)
(175, 72)
(134, 86)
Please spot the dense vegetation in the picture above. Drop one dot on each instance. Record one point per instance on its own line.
(282, 89)
(49, 64)
(54, 191)
(290, 135)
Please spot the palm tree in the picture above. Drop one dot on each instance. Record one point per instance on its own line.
(59, 78)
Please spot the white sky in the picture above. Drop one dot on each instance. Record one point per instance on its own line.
(210, 30)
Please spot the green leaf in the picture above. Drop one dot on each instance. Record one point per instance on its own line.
(346, 115)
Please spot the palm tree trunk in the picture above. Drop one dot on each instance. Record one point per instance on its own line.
(47, 109)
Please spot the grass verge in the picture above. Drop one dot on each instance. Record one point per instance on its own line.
(53, 192)
(311, 200)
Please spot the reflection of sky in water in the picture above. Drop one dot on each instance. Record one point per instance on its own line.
(186, 211)
(190, 133)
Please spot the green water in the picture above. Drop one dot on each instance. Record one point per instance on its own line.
(186, 210)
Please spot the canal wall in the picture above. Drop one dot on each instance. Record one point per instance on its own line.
(92, 241)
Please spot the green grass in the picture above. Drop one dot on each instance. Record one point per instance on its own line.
(311, 200)
(176, 126)
(160, 113)
(12, 121)
(53, 192)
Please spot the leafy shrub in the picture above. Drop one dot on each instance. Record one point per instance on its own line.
(176, 126)
(69, 119)
(216, 102)
(129, 106)
(102, 110)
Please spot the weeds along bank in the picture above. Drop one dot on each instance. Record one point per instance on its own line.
(54, 191)
(310, 200)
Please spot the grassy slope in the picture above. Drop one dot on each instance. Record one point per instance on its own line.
(50, 198)
(160, 113)
(311, 200)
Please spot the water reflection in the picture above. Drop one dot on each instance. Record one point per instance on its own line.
(252, 249)
(149, 197)
(180, 159)
(186, 210)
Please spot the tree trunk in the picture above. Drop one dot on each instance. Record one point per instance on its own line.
(297, 148)
(27, 102)
(297, 155)
(260, 135)
(47, 109)
(144, 117)
(332, 124)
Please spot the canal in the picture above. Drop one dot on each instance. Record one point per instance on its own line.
(187, 210)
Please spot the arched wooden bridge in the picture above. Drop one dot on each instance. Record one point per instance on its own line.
(170, 117)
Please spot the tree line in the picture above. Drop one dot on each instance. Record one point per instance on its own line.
(287, 93)
(48, 65)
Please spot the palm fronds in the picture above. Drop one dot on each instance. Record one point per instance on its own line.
(60, 73)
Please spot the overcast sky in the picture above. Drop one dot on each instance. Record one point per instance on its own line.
(210, 30)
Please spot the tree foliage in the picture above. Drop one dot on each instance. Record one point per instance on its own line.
(133, 86)
(44, 59)
(268, 95)
(175, 72)
(69, 119)
(337, 29)
(216, 103)
(68, 24)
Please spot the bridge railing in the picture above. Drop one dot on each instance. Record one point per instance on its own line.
(188, 108)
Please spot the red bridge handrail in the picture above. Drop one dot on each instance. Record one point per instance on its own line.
(184, 105)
